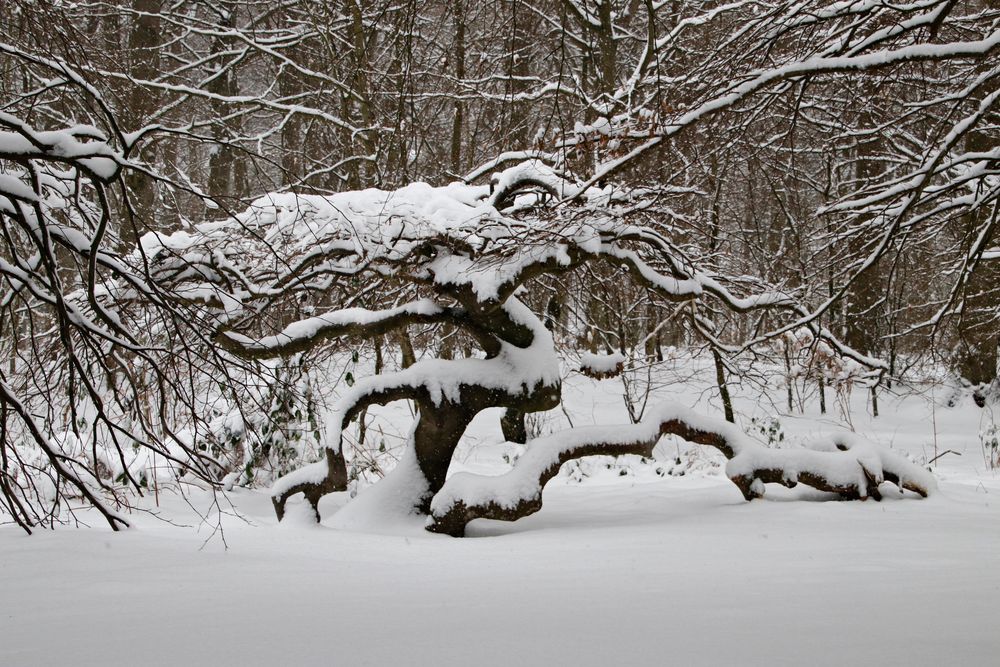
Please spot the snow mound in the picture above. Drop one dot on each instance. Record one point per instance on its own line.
(601, 366)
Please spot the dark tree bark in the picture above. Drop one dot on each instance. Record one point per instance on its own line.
(720, 380)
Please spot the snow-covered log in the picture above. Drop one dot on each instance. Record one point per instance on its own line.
(847, 466)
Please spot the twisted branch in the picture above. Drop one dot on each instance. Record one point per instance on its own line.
(851, 469)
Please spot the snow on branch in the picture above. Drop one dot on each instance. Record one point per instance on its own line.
(82, 146)
(506, 158)
(459, 241)
(844, 465)
(304, 334)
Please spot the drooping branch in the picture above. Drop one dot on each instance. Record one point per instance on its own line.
(354, 322)
(851, 469)
(558, 251)
(458, 241)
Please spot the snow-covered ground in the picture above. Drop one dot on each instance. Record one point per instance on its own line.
(626, 567)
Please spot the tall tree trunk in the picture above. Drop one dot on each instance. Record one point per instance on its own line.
(458, 11)
(144, 64)
(720, 380)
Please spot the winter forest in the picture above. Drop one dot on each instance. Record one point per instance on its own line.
(294, 293)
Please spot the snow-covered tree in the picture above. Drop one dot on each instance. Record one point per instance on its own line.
(466, 256)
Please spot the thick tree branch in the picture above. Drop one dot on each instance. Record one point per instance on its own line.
(853, 470)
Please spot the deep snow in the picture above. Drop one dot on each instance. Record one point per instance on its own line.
(619, 569)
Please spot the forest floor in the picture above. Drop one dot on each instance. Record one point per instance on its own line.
(632, 565)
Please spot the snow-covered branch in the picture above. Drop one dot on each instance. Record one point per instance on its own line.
(846, 466)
